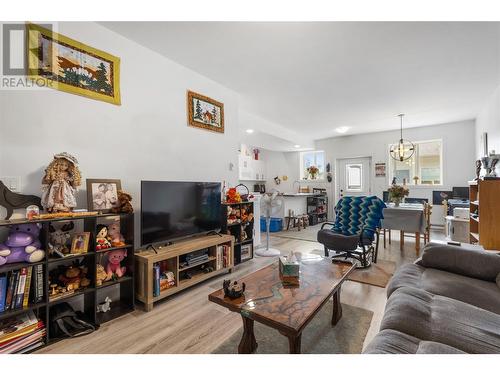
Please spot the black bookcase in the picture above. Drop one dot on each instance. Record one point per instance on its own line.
(87, 299)
(243, 247)
(317, 209)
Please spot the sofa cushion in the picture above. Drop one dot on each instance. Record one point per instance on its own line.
(389, 341)
(431, 317)
(480, 293)
(479, 264)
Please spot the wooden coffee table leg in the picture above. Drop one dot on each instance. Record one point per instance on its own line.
(247, 343)
(337, 307)
(294, 343)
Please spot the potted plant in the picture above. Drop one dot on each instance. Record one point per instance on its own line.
(313, 171)
(397, 193)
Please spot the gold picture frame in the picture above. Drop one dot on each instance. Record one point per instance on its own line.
(204, 112)
(80, 243)
(67, 65)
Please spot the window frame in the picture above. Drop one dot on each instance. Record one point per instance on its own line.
(348, 187)
(302, 172)
(418, 168)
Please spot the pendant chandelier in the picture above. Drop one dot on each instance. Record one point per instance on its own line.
(404, 149)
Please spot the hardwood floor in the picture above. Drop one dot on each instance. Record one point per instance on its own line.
(189, 323)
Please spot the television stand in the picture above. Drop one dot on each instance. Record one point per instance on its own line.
(212, 232)
(186, 275)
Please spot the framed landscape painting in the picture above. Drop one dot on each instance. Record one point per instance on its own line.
(205, 113)
(67, 65)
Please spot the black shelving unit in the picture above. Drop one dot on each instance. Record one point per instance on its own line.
(317, 209)
(87, 299)
(236, 229)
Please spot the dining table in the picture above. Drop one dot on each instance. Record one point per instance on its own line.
(406, 217)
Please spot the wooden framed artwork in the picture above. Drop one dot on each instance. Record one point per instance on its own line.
(68, 65)
(102, 194)
(205, 113)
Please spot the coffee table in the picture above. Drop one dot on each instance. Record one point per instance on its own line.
(288, 309)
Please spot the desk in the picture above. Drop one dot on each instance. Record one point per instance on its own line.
(408, 217)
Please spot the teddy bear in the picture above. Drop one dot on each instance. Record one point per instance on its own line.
(233, 215)
(75, 277)
(114, 268)
(100, 275)
(115, 235)
(123, 205)
(22, 245)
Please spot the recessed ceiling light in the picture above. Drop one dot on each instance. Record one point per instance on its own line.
(249, 131)
(342, 129)
(296, 146)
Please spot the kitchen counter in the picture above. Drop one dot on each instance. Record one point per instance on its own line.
(301, 194)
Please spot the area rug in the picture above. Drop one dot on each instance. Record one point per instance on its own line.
(319, 336)
(308, 234)
(378, 274)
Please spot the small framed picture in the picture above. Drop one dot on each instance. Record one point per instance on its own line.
(80, 243)
(102, 194)
(246, 251)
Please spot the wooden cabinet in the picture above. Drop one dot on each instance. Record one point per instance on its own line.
(484, 219)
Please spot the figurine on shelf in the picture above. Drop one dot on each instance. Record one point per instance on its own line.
(58, 239)
(114, 269)
(233, 215)
(105, 306)
(59, 185)
(100, 275)
(243, 236)
(233, 290)
(123, 205)
(101, 238)
(115, 235)
(22, 245)
(11, 200)
(478, 170)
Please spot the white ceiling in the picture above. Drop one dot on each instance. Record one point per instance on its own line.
(314, 77)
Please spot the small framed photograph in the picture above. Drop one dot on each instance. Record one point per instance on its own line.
(246, 252)
(102, 194)
(80, 243)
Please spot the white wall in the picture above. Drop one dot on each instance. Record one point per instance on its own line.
(146, 138)
(458, 158)
(488, 120)
(281, 164)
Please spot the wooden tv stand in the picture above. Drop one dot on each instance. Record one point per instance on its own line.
(172, 254)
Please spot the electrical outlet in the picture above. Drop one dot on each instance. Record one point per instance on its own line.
(13, 183)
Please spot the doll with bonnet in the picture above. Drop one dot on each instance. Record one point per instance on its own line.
(59, 185)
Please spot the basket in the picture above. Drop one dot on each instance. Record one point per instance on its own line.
(243, 195)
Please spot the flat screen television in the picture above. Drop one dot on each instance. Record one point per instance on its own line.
(173, 209)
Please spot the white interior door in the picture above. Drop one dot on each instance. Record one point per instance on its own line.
(354, 177)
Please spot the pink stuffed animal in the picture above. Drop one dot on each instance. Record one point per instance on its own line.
(113, 267)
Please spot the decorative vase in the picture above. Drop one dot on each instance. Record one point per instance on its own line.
(396, 201)
(313, 176)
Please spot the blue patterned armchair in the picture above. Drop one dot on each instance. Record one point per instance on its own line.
(356, 228)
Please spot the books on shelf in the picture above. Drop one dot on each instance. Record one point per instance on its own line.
(21, 333)
(222, 256)
(162, 278)
(19, 288)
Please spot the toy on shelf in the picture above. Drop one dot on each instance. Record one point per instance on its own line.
(105, 306)
(123, 205)
(100, 275)
(243, 236)
(75, 277)
(114, 268)
(59, 237)
(101, 240)
(246, 217)
(11, 200)
(22, 245)
(233, 215)
(115, 236)
(59, 185)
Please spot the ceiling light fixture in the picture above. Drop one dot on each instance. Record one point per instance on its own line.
(296, 146)
(404, 149)
(342, 129)
(249, 131)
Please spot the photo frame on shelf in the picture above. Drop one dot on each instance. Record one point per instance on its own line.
(102, 194)
(67, 65)
(80, 243)
(204, 112)
(246, 252)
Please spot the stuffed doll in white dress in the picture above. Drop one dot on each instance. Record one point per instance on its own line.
(59, 185)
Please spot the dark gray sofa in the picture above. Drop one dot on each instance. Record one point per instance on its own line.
(446, 302)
